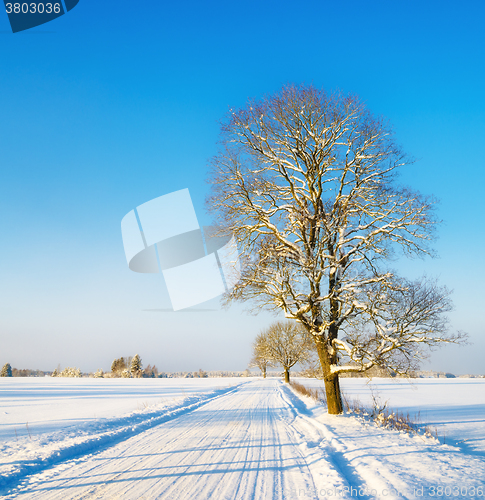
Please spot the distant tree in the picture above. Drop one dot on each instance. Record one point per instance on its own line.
(286, 343)
(136, 366)
(67, 372)
(118, 365)
(70, 372)
(99, 374)
(260, 357)
(150, 372)
(6, 370)
(57, 370)
(125, 373)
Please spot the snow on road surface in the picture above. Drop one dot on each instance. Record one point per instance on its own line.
(258, 440)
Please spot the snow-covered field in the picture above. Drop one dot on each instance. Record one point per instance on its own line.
(454, 408)
(44, 421)
(233, 439)
(52, 404)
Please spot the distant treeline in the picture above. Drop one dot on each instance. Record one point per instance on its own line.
(27, 373)
(152, 372)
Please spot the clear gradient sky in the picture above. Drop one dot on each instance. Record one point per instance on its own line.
(117, 103)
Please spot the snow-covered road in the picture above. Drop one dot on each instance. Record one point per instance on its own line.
(259, 441)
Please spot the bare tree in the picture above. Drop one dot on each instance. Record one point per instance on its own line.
(285, 343)
(305, 180)
(401, 322)
(260, 357)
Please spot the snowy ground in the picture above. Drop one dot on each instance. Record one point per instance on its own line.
(454, 408)
(52, 404)
(222, 439)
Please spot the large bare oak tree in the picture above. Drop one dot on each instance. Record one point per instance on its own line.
(306, 181)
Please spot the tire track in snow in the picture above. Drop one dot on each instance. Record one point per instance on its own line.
(325, 462)
(310, 484)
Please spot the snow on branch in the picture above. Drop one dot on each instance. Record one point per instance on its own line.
(398, 322)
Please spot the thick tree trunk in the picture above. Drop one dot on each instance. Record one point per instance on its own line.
(334, 398)
(287, 376)
(264, 372)
(332, 384)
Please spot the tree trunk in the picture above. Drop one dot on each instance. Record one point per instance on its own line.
(287, 376)
(264, 372)
(334, 398)
(332, 384)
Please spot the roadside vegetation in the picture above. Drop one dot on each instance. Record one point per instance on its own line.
(379, 413)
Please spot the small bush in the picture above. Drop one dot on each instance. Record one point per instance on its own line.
(384, 417)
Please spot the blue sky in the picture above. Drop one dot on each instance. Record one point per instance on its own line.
(110, 106)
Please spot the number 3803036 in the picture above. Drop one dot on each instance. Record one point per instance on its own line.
(33, 8)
